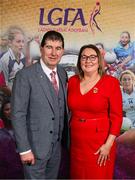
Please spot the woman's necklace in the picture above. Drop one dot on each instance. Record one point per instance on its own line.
(90, 81)
(85, 82)
(86, 85)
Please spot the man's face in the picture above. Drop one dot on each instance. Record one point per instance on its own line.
(51, 53)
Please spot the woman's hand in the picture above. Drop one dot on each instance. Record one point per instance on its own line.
(103, 152)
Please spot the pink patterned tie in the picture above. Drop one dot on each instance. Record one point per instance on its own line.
(54, 82)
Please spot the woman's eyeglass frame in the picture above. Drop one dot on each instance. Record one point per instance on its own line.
(91, 58)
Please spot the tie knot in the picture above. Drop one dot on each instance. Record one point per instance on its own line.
(53, 73)
(54, 81)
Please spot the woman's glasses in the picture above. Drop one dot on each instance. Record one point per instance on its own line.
(91, 58)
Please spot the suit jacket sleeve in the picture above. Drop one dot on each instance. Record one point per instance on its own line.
(19, 105)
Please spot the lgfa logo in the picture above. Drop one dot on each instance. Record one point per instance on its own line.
(56, 21)
(64, 17)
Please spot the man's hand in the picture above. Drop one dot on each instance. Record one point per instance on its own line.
(28, 158)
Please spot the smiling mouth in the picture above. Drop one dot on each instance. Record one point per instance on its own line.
(89, 65)
(53, 59)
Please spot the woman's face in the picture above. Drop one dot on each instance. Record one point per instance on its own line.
(17, 44)
(124, 39)
(127, 82)
(89, 61)
(7, 110)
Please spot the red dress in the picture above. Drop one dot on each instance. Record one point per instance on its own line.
(94, 115)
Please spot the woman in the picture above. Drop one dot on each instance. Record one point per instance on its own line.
(101, 48)
(126, 141)
(13, 60)
(125, 52)
(127, 79)
(95, 118)
(10, 163)
(6, 114)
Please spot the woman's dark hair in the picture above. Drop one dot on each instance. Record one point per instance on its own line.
(100, 60)
(54, 36)
(6, 121)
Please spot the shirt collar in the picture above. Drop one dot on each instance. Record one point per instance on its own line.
(47, 70)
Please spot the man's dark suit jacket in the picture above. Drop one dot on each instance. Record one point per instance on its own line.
(33, 109)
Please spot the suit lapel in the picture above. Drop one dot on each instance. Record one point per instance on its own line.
(43, 81)
(60, 74)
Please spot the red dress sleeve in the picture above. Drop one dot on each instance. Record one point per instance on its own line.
(115, 110)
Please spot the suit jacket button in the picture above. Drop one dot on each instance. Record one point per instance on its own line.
(53, 118)
(51, 132)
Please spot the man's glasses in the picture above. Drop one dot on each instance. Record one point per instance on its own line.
(91, 57)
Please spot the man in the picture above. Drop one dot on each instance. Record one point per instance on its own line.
(39, 111)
